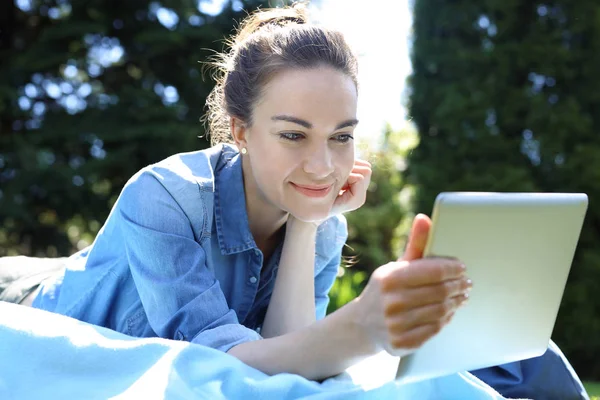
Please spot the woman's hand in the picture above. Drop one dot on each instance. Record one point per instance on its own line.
(407, 302)
(354, 192)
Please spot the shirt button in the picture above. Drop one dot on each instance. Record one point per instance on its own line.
(253, 279)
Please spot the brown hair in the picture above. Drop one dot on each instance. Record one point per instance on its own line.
(267, 42)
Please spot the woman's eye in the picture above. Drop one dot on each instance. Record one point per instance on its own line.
(291, 136)
(343, 138)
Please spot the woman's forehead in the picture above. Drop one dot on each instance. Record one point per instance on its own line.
(308, 94)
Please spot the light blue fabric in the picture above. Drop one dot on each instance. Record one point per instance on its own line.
(50, 356)
(176, 259)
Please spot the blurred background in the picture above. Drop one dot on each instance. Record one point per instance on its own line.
(455, 95)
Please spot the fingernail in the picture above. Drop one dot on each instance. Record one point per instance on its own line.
(469, 283)
(465, 298)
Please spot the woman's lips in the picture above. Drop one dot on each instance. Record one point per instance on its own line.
(313, 190)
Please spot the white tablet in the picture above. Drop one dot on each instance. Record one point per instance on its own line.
(518, 249)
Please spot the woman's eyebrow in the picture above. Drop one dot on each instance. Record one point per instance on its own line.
(295, 120)
(345, 124)
(308, 125)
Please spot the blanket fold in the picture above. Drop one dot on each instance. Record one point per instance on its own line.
(50, 356)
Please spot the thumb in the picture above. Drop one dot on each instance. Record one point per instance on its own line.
(417, 238)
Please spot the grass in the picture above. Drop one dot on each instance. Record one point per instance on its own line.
(593, 389)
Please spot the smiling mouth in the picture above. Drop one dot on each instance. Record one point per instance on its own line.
(313, 191)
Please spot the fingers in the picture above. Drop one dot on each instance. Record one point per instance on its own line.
(361, 168)
(362, 163)
(428, 313)
(420, 295)
(354, 192)
(354, 178)
(351, 188)
(426, 271)
(412, 298)
(414, 329)
(421, 272)
(415, 337)
(359, 173)
(417, 238)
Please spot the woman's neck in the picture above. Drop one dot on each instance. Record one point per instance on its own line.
(264, 219)
(265, 224)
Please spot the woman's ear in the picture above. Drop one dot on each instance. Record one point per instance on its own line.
(238, 132)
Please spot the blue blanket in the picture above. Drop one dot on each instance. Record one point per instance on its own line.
(49, 356)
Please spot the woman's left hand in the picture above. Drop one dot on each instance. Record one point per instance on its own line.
(354, 193)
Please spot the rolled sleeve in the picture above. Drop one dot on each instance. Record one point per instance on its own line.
(225, 337)
(332, 241)
(181, 297)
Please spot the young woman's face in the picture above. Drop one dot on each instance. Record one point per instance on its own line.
(300, 144)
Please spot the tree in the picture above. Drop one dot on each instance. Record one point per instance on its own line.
(90, 92)
(505, 96)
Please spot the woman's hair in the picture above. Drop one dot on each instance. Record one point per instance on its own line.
(268, 42)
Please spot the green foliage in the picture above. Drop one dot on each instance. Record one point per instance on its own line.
(593, 389)
(377, 231)
(346, 288)
(505, 96)
(90, 92)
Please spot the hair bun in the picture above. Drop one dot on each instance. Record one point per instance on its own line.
(294, 15)
(281, 21)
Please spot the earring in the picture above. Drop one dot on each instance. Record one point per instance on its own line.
(244, 151)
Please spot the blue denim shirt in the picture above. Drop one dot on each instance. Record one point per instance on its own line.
(176, 258)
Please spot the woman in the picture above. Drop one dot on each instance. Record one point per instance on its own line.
(236, 247)
(242, 241)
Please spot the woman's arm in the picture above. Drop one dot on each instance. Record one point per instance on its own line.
(180, 295)
(321, 350)
(404, 304)
(292, 304)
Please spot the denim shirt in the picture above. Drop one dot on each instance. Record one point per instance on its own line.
(176, 259)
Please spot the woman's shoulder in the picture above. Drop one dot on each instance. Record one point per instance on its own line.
(185, 181)
(190, 168)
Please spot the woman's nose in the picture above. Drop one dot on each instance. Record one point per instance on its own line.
(319, 162)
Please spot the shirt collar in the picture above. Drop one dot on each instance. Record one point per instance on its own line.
(231, 218)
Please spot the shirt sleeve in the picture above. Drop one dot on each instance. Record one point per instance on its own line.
(329, 245)
(180, 295)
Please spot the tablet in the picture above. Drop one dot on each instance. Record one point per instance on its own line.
(518, 249)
